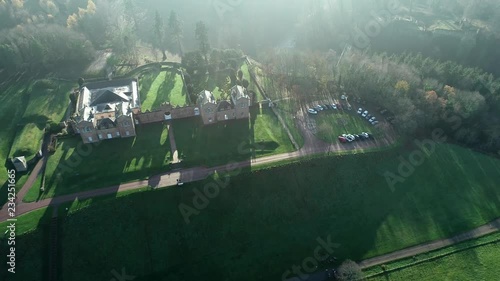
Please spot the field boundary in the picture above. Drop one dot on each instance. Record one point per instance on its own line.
(436, 257)
(481, 231)
(263, 92)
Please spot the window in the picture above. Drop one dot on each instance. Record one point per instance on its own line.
(90, 139)
(126, 124)
(117, 134)
(100, 136)
(127, 133)
(110, 136)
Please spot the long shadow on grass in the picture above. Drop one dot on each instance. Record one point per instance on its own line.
(263, 223)
(165, 90)
(32, 252)
(145, 83)
(212, 145)
(78, 167)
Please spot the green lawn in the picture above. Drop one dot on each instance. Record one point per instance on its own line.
(11, 109)
(105, 164)
(477, 259)
(230, 141)
(287, 106)
(32, 246)
(48, 101)
(266, 221)
(28, 140)
(332, 123)
(25, 107)
(159, 87)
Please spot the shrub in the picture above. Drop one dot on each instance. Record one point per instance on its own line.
(53, 128)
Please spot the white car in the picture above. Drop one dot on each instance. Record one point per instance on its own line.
(318, 108)
(360, 110)
(334, 106)
(344, 97)
(372, 119)
(365, 135)
(365, 113)
(350, 138)
(312, 111)
(374, 122)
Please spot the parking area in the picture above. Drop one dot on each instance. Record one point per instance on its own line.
(344, 121)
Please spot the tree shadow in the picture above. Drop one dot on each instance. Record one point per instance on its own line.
(146, 81)
(165, 90)
(83, 167)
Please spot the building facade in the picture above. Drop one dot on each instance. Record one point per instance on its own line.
(106, 110)
(238, 107)
(111, 109)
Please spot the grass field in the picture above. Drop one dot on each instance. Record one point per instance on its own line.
(476, 259)
(105, 164)
(230, 141)
(264, 222)
(28, 140)
(11, 109)
(48, 101)
(333, 123)
(287, 106)
(25, 107)
(159, 87)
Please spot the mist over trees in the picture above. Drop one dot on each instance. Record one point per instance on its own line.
(300, 42)
(421, 93)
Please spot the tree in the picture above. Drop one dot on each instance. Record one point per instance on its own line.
(159, 32)
(245, 83)
(201, 34)
(350, 271)
(402, 87)
(175, 26)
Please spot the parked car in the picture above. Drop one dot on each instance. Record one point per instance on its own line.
(350, 138)
(383, 111)
(365, 135)
(365, 113)
(333, 106)
(372, 119)
(312, 111)
(344, 97)
(357, 137)
(374, 122)
(349, 107)
(339, 106)
(318, 108)
(342, 139)
(326, 106)
(360, 110)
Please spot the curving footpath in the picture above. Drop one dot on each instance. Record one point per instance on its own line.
(312, 146)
